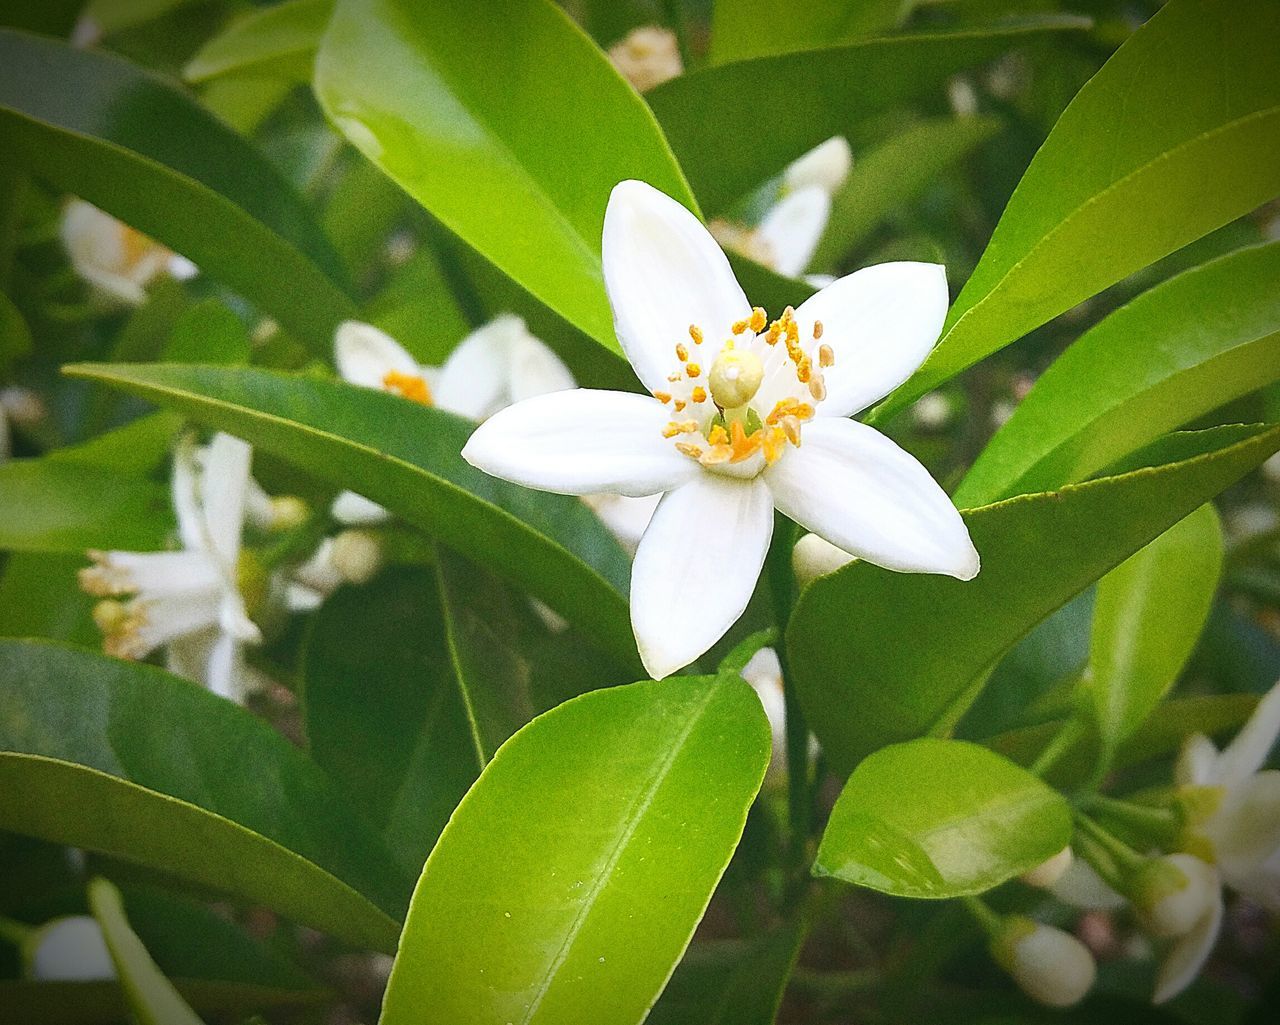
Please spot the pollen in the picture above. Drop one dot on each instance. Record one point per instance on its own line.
(409, 386)
(740, 326)
(699, 394)
(662, 396)
(718, 436)
(758, 319)
(817, 330)
(689, 449)
(826, 355)
(692, 370)
(817, 388)
(695, 333)
(682, 351)
(680, 404)
(681, 427)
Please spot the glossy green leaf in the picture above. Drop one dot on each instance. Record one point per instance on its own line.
(940, 818)
(280, 40)
(527, 115)
(406, 457)
(1147, 617)
(137, 449)
(892, 175)
(127, 760)
(60, 505)
(737, 125)
(879, 657)
(88, 122)
(1176, 352)
(151, 997)
(582, 910)
(1192, 98)
(40, 597)
(382, 710)
(758, 28)
(15, 336)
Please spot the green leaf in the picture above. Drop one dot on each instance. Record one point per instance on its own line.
(137, 449)
(481, 110)
(40, 597)
(151, 997)
(1147, 616)
(130, 142)
(130, 761)
(279, 40)
(1191, 344)
(1192, 97)
(547, 900)
(879, 657)
(382, 711)
(894, 174)
(758, 28)
(208, 332)
(15, 336)
(61, 505)
(735, 126)
(406, 457)
(940, 818)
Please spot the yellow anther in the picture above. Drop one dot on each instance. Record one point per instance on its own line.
(673, 378)
(758, 319)
(715, 455)
(663, 397)
(689, 449)
(817, 388)
(699, 394)
(817, 330)
(826, 354)
(695, 333)
(680, 404)
(774, 332)
(791, 428)
(743, 446)
(718, 436)
(692, 370)
(735, 378)
(408, 386)
(740, 325)
(804, 370)
(681, 427)
(775, 444)
(110, 616)
(682, 351)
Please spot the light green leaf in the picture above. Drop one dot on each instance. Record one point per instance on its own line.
(279, 40)
(1189, 345)
(481, 110)
(879, 657)
(135, 145)
(940, 818)
(1147, 616)
(61, 505)
(583, 908)
(150, 996)
(1178, 134)
(757, 28)
(894, 174)
(735, 126)
(382, 710)
(130, 761)
(406, 457)
(137, 449)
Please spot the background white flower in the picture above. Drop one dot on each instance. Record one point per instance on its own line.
(113, 257)
(743, 416)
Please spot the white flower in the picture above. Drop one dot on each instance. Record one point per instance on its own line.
(70, 950)
(1050, 872)
(495, 365)
(720, 432)
(647, 57)
(1235, 804)
(188, 600)
(117, 260)
(1049, 965)
(764, 673)
(827, 165)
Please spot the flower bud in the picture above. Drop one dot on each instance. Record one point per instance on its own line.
(286, 512)
(1047, 873)
(1051, 966)
(70, 950)
(23, 406)
(1171, 894)
(647, 57)
(814, 557)
(357, 555)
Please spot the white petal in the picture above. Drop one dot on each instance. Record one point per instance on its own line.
(815, 557)
(1189, 953)
(365, 355)
(1247, 753)
(475, 379)
(1196, 761)
(581, 441)
(356, 510)
(224, 488)
(663, 271)
(184, 490)
(881, 322)
(793, 227)
(536, 369)
(71, 950)
(1262, 885)
(1245, 831)
(826, 166)
(854, 487)
(626, 518)
(180, 268)
(1080, 886)
(696, 568)
(169, 618)
(224, 672)
(152, 575)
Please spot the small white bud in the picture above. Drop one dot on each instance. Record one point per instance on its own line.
(357, 555)
(23, 406)
(826, 165)
(814, 557)
(932, 412)
(70, 950)
(647, 57)
(1047, 873)
(1051, 966)
(287, 512)
(1173, 893)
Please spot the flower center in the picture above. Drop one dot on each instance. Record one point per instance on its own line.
(409, 386)
(761, 386)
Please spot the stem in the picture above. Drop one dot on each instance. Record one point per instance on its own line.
(1159, 824)
(1062, 742)
(1110, 856)
(991, 923)
(676, 19)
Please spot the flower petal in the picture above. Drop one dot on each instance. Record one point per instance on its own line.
(1246, 829)
(357, 511)
(793, 227)
(663, 272)
(881, 322)
(474, 381)
(365, 355)
(581, 441)
(696, 568)
(1196, 761)
(224, 489)
(626, 518)
(1080, 886)
(1189, 953)
(1248, 751)
(826, 166)
(536, 369)
(854, 487)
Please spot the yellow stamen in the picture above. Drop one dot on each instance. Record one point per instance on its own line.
(791, 428)
(680, 404)
(758, 319)
(695, 333)
(699, 394)
(683, 427)
(718, 436)
(409, 386)
(715, 455)
(740, 325)
(817, 330)
(692, 369)
(682, 351)
(817, 388)
(689, 449)
(663, 397)
(826, 355)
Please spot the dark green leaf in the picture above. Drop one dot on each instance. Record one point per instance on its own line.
(758, 28)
